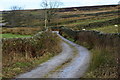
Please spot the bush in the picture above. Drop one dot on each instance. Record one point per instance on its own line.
(104, 48)
(26, 49)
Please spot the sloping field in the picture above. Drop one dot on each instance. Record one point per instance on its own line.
(0, 16)
(76, 18)
(23, 51)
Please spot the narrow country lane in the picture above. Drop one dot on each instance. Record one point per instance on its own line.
(72, 62)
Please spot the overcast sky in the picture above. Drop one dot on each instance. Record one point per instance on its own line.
(35, 4)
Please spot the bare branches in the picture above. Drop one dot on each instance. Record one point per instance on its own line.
(49, 4)
(16, 8)
(50, 7)
(44, 4)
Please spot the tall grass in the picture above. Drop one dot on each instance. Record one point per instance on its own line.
(23, 53)
(22, 30)
(107, 29)
(104, 49)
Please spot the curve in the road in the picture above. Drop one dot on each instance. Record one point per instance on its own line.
(72, 62)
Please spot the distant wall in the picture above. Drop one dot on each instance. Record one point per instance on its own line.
(92, 38)
(86, 8)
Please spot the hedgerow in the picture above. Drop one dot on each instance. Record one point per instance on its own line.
(27, 50)
(104, 49)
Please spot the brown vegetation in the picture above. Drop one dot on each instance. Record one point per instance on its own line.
(22, 30)
(21, 53)
(104, 49)
(68, 16)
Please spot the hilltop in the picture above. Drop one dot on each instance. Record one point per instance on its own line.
(73, 17)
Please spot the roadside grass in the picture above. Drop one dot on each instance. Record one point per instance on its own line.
(103, 64)
(13, 36)
(23, 65)
(58, 68)
(107, 29)
(20, 55)
(104, 49)
(104, 55)
(17, 66)
(67, 62)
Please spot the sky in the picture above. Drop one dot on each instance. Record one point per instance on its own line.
(35, 4)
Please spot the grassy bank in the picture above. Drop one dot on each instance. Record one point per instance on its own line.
(103, 64)
(104, 49)
(13, 36)
(23, 54)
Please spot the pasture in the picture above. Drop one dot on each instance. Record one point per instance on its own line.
(32, 51)
(107, 29)
(72, 18)
(13, 36)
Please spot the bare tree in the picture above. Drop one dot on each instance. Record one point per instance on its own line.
(13, 17)
(50, 8)
(16, 8)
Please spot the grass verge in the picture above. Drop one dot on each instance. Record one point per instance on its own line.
(23, 54)
(104, 49)
(66, 63)
(24, 65)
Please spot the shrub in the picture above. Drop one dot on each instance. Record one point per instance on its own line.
(26, 49)
(104, 48)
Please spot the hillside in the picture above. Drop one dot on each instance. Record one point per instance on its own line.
(71, 50)
(75, 17)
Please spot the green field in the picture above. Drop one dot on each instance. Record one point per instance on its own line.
(25, 54)
(0, 17)
(107, 29)
(13, 36)
(71, 18)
